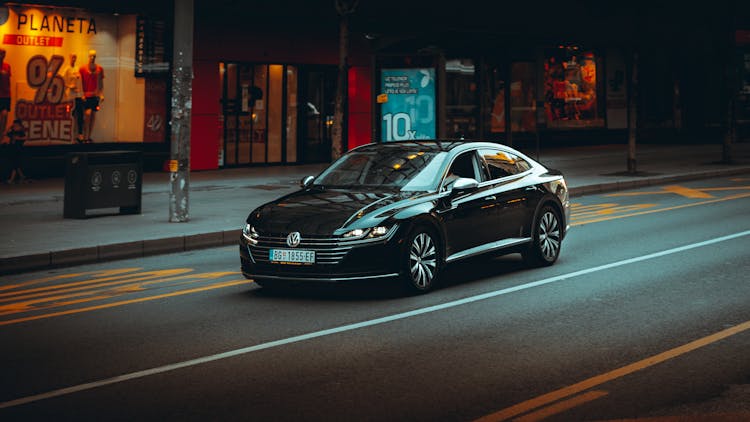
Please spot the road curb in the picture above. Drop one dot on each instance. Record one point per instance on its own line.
(652, 181)
(116, 251)
(151, 247)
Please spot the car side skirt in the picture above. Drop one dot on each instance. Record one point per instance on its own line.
(489, 247)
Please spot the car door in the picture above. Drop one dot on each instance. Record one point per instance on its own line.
(466, 217)
(507, 174)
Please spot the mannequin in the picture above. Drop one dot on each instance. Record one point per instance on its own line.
(74, 92)
(4, 91)
(92, 78)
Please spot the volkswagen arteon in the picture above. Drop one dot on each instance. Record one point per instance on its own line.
(405, 210)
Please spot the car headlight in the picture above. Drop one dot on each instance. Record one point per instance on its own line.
(249, 233)
(370, 233)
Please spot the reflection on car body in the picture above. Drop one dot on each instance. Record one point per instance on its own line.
(405, 210)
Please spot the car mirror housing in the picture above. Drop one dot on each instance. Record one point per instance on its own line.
(464, 184)
(306, 182)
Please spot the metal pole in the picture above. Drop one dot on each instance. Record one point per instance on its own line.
(633, 115)
(182, 77)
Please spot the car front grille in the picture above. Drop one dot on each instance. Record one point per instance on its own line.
(328, 251)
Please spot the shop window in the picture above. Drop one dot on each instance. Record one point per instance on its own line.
(572, 88)
(87, 81)
(522, 95)
(496, 104)
(522, 86)
(461, 101)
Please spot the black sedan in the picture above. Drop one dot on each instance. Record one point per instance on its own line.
(404, 210)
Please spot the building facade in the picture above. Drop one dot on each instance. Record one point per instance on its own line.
(265, 75)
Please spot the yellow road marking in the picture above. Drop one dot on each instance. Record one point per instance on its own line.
(660, 192)
(608, 209)
(87, 294)
(725, 188)
(695, 204)
(562, 406)
(127, 302)
(64, 276)
(117, 278)
(687, 192)
(680, 190)
(598, 380)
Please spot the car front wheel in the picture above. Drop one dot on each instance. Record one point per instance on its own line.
(421, 260)
(546, 239)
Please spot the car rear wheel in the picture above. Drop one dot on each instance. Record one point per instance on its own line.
(546, 238)
(421, 260)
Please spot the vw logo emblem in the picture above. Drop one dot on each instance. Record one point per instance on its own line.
(293, 239)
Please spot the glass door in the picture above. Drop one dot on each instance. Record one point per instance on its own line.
(259, 113)
(461, 99)
(316, 113)
(523, 97)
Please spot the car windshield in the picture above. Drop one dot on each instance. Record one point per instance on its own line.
(407, 169)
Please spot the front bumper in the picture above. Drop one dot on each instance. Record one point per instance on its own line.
(335, 262)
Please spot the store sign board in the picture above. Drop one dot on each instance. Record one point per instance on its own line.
(150, 47)
(409, 112)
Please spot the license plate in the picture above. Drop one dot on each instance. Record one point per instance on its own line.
(291, 256)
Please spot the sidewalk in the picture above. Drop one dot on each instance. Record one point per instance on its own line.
(36, 236)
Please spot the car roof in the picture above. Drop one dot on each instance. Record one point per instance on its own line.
(434, 144)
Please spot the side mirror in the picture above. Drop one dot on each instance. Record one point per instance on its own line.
(306, 182)
(463, 185)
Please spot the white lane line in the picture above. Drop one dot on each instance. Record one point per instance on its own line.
(356, 326)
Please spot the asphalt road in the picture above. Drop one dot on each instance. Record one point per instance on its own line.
(645, 315)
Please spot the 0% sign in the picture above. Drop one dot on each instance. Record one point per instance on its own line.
(42, 75)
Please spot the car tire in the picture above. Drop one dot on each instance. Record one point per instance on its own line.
(421, 260)
(546, 238)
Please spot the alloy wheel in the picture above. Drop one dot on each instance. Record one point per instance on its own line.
(549, 236)
(422, 261)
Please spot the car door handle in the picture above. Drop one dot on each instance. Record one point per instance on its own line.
(490, 198)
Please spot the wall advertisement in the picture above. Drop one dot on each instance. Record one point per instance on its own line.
(407, 103)
(68, 75)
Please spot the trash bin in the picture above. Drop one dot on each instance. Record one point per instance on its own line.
(95, 180)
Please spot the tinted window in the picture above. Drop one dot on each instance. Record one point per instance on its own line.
(465, 165)
(406, 168)
(502, 164)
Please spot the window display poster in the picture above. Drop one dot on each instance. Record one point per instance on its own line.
(408, 111)
(62, 75)
(571, 88)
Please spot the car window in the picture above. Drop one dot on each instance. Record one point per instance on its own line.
(390, 167)
(522, 165)
(503, 164)
(465, 165)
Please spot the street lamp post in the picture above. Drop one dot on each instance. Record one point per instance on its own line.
(182, 78)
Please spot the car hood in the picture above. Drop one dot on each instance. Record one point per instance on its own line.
(321, 212)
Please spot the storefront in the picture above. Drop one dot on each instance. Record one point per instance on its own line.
(489, 97)
(265, 78)
(73, 76)
(276, 113)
